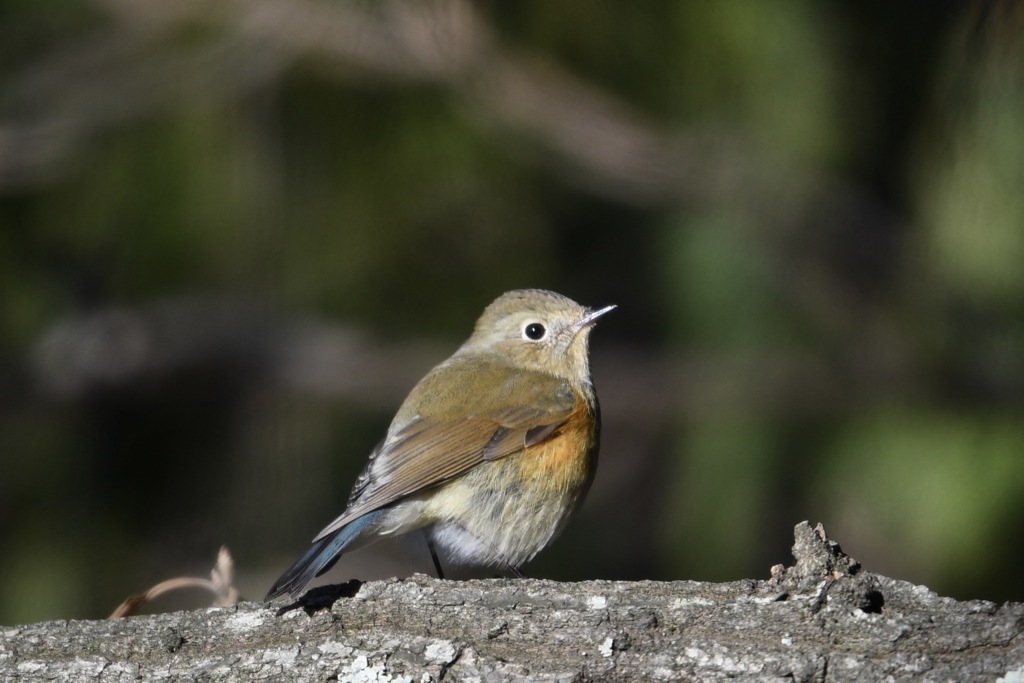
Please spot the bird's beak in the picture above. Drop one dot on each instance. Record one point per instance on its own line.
(591, 317)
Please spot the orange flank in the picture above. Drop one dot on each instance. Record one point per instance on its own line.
(564, 460)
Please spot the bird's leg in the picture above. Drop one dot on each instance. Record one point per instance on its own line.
(515, 572)
(433, 556)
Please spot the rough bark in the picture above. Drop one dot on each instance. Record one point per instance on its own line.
(822, 619)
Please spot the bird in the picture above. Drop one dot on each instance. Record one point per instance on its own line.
(490, 453)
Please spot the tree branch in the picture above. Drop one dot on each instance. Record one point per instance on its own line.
(822, 619)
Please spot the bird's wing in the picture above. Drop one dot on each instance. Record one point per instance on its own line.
(431, 448)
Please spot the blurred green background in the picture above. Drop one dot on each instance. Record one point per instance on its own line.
(234, 234)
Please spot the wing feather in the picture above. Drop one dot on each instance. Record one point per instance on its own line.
(428, 450)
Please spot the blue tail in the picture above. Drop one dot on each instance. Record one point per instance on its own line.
(321, 556)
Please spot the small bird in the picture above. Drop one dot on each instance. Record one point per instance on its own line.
(490, 453)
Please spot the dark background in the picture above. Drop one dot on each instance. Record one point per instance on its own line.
(233, 235)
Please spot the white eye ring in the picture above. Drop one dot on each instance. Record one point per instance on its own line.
(534, 331)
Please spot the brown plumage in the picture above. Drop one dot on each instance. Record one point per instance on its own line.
(491, 451)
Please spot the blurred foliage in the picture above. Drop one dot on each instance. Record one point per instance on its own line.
(231, 238)
(909, 459)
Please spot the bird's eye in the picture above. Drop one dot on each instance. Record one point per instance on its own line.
(534, 331)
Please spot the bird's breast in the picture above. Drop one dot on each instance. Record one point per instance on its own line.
(504, 511)
(566, 459)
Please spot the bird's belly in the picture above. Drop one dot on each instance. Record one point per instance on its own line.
(505, 511)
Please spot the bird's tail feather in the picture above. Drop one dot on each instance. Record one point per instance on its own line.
(321, 556)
